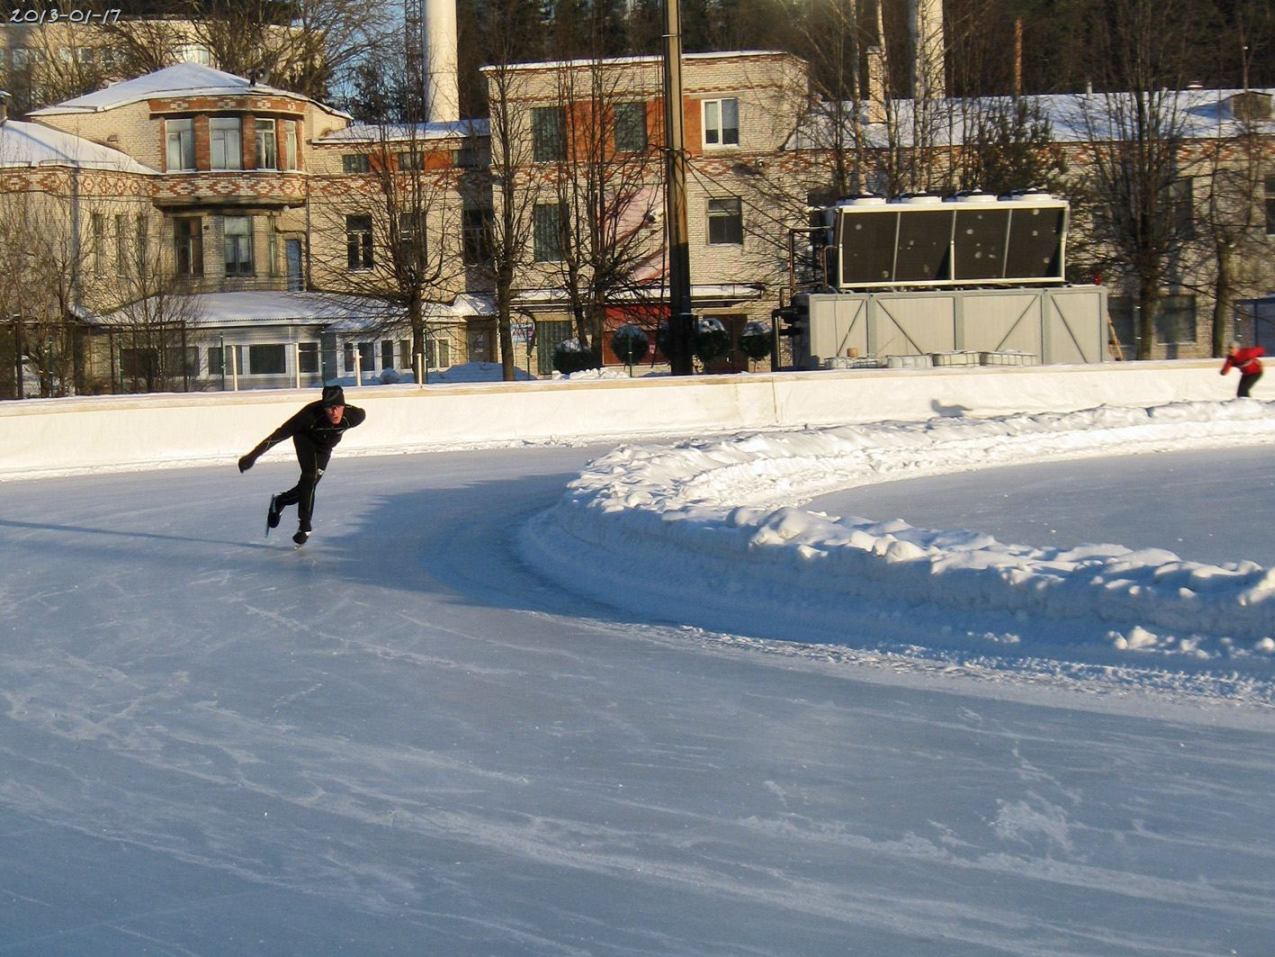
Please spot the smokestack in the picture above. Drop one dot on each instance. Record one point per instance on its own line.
(929, 64)
(438, 37)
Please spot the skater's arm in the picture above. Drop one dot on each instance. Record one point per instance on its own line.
(354, 415)
(285, 431)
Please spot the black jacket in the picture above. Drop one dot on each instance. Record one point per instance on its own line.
(312, 422)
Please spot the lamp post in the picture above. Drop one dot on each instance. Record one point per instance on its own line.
(681, 320)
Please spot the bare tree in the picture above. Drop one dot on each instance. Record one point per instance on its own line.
(1134, 130)
(400, 220)
(604, 195)
(513, 193)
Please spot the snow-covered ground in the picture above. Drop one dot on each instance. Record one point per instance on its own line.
(405, 738)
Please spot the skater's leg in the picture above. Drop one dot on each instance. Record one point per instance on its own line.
(1246, 384)
(311, 473)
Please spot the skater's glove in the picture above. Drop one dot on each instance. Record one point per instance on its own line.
(246, 462)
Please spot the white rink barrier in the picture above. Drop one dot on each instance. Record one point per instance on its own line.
(42, 437)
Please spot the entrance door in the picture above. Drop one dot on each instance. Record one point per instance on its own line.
(296, 282)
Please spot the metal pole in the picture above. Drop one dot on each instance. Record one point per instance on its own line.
(296, 362)
(234, 368)
(679, 258)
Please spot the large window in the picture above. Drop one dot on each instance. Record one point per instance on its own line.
(547, 229)
(1270, 205)
(181, 144)
(548, 139)
(725, 222)
(476, 228)
(188, 247)
(308, 357)
(630, 127)
(238, 243)
(1182, 196)
(267, 154)
(99, 244)
(411, 161)
(267, 359)
(289, 144)
(226, 143)
(354, 163)
(121, 243)
(358, 242)
(1175, 320)
(411, 238)
(721, 122)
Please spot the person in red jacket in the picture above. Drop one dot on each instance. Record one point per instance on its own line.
(314, 431)
(1245, 359)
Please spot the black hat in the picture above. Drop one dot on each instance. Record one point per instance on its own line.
(333, 395)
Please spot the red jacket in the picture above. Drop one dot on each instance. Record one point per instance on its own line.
(1245, 360)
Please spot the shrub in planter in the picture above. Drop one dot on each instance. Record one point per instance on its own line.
(630, 344)
(570, 356)
(712, 341)
(756, 340)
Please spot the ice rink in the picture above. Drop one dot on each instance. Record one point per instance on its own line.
(401, 740)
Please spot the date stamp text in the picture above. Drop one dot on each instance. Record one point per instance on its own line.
(74, 15)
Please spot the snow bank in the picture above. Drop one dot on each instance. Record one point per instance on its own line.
(642, 522)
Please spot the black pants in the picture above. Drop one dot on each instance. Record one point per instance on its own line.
(1247, 382)
(313, 460)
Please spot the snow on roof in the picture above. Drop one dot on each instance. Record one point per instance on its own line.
(1073, 117)
(240, 309)
(638, 60)
(187, 79)
(30, 144)
(374, 133)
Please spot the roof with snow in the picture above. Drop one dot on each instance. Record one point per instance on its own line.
(640, 60)
(1073, 117)
(187, 79)
(342, 312)
(375, 133)
(30, 144)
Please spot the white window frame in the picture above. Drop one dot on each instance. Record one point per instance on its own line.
(267, 144)
(180, 139)
(290, 144)
(714, 129)
(225, 142)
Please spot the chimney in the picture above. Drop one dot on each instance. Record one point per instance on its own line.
(878, 85)
(929, 64)
(439, 39)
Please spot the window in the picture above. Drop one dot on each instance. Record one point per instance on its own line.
(194, 53)
(367, 356)
(238, 243)
(1270, 206)
(476, 227)
(411, 161)
(630, 127)
(548, 142)
(289, 144)
(725, 222)
(181, 144)
(272, 248)
(1182, 198)
(225, 142)
(438, 353)
(467, 157)
(1175, 320)
(354, 163)
(411, 239)
(216, 361)
(267, 155)
(547, 229)
(721, 122)
(121, 242)
(387, 353)
(99, 244)
(188, 240)
(358, 242)
(143, 243)
(267, 359)
(138, 363)
(179, 361)
(405, 354)
(308, 357)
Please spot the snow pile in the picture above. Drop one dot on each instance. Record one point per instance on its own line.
(643, 522)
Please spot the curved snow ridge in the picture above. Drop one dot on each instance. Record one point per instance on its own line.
(644, 524)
